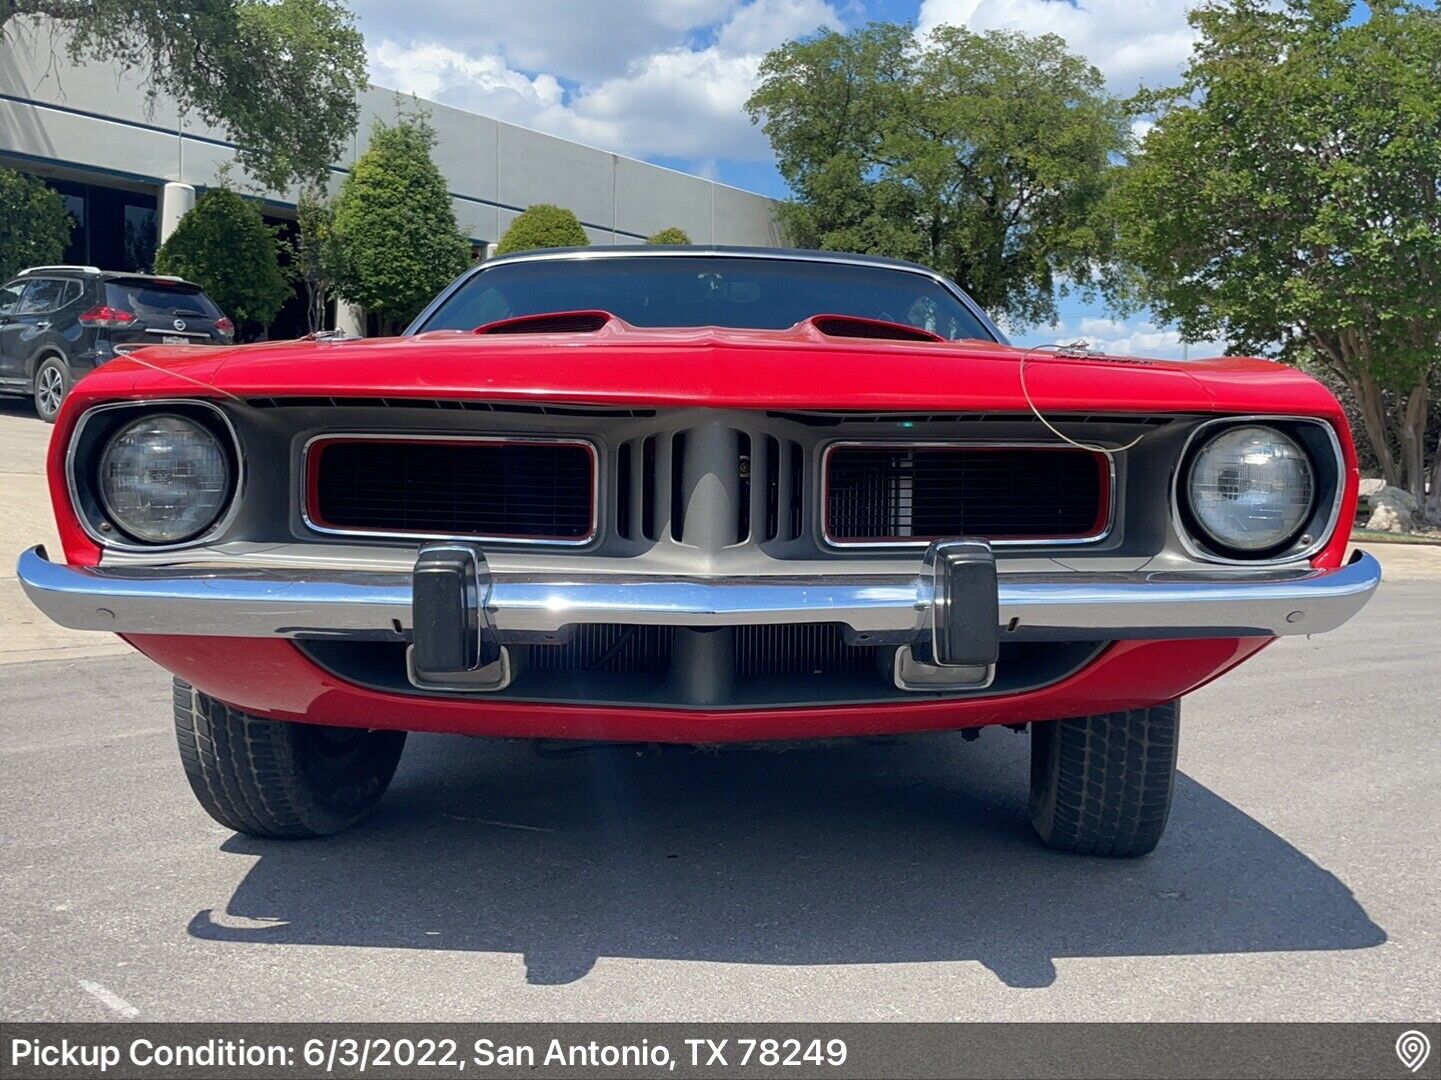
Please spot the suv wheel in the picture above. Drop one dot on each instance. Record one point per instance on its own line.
(52, 383)
(1101, 785)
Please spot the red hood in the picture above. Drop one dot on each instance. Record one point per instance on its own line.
(799, 368)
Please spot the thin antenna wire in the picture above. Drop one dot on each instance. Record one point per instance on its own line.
(1078, 348)
(210, 387)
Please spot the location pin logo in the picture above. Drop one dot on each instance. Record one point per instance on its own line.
(1413, 1048)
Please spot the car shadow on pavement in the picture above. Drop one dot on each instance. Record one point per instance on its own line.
(909, 850)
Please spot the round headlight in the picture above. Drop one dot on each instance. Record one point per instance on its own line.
(1251, 489)
(164, 479)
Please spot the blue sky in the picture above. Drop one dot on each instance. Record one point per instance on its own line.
(665, 80)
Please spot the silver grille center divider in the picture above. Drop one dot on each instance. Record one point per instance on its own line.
(1262, 602)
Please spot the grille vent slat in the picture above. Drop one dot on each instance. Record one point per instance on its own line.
(743, 502)
(782, 462)
(758, 490)
(783, 478)
(670, 473)
(648, 487)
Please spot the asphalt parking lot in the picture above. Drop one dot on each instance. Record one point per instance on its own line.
(857, 881)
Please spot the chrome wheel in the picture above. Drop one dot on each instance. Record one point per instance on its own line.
(49, 390)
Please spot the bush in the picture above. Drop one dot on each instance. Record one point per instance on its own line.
(672, 235)
(543, 226)
(225, 247)
(395, 241)
(34, 224)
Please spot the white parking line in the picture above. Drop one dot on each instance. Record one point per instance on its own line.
(112, 1001)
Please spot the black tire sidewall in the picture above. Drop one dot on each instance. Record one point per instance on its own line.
(340, 798)
(1043, 773)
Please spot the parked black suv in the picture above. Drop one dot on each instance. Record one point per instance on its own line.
(59, 322)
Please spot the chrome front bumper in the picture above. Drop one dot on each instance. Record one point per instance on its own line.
(1062, 606)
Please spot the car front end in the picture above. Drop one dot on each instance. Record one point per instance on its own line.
(697, 535)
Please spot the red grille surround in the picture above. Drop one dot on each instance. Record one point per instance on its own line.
(515, 489)
(896, 493)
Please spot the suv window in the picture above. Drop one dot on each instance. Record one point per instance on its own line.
(159, 298)
(10, 296)
(43, 295)
(73, 289)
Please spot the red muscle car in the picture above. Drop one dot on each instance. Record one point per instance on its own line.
(693, 495)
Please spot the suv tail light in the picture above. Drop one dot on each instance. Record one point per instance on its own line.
(108, 317)
(224, 326)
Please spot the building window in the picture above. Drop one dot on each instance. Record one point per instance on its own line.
(78, 249)
(140, 241)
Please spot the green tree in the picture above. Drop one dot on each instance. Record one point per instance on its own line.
(1289, 198)
(543, 226)
(314, 253)
(225, 247)
(395, 239)
(280, 76)
(987, 156)
(34, 224)
(671, 235)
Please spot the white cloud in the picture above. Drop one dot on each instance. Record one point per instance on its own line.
(581, 39)
(438, 73)
(1098, 328)
(675, 100)
(1142, 338)
(1120, 337)
(1131, 41)
(679, 102)
(764, 24)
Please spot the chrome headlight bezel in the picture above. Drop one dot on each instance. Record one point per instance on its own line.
(94, 433)
(1321, 448)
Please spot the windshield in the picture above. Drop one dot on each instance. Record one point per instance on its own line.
(675, 290)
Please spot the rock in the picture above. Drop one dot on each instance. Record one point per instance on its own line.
(1392, 510)
(1402, 498)
(1371, 485)
(1385, 519)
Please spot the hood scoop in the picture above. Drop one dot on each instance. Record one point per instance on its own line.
(854, 326)
(552, 322)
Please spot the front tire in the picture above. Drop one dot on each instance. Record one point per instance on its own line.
(275, 778)
(52, 384)
(1101, 785)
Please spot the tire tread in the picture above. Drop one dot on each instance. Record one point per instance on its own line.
(1102, 785)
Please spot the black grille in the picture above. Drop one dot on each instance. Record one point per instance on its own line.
(490, 488)
(890, 494)
(607, 648)
(800, 649)
(759, 651)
